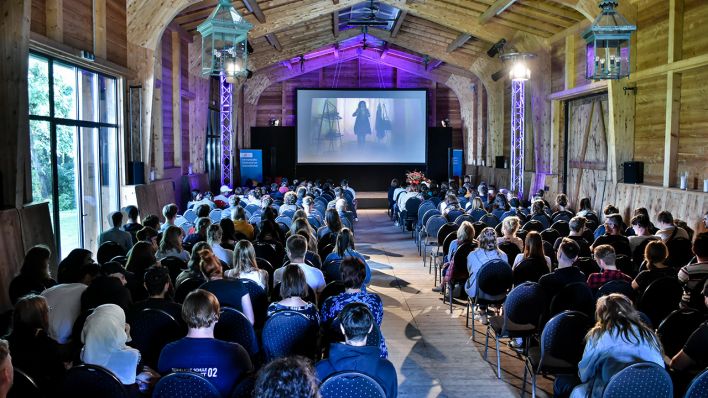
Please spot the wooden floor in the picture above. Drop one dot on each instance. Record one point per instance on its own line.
(431, 348)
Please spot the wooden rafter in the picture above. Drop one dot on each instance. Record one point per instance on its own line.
(273, 40)
(335, 23)
(399, 22)
(495, 9)
(255, 9)
(458, 42)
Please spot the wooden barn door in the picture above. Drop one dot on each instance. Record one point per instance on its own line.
(586, 150)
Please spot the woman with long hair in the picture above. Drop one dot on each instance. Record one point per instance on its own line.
(362, 126)
(533, 249)
(231, 293)
(465, 234)
(33, 350)
(344, 247)
(34, 276)
(140, 258)
(333, 224)
(619, 338)
(245, 265)
(487, 251)
(69, 270)
(655, 254)
(171, 244)
(193, 270)
(293, 291)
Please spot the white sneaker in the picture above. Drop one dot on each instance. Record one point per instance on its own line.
(356, 219)
(482, 318)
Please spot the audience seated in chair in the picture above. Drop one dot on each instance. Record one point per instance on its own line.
(171, 244)
(356, 323)
(619, 338)
(296, 249)
(34, 276)
(692, 276)
(224, 364)
(116, 233)
(65, 301)
(140, 258)
(241, 224)
(214, 235)
(169, 211)
(613, 236)
(229, 292)
(655, 253)
(293, 290)
(69, 269)
(287, 377)
(353, 273)
(245, 265)
(132, 226)
(642, 232)
(149, 235)
(159, 288)
(193, 270)
(533, 249)
(605, 257)
(694, 356)
(200, 235)
(576, 225)
(665, 223)
(465, 234)
(487, 251)
(509, 227)
(344, 247)
(33, 350)
(566, 273)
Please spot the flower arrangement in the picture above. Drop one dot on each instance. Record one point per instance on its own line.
(415, 177)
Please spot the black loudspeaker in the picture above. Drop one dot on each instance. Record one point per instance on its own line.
(633, 172)
(499, 162)
(439, 141)
(136, 173)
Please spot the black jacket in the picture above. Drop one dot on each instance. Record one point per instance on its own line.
(343, 357)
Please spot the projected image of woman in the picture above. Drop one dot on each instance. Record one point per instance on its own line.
(362, 127)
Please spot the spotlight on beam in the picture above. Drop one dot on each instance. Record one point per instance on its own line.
(496, 48)
(497, 75)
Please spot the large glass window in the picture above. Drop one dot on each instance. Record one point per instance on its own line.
(74, 146)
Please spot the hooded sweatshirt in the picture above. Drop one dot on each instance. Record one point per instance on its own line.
(344, 357)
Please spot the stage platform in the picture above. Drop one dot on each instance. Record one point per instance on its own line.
(372, 200)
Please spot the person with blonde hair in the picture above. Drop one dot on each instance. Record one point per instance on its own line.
(510, 226)
(486, 252)
(619, 338)
(465, 234)
(245, 265)
(214, 237)
(171, 244)
(229, 292)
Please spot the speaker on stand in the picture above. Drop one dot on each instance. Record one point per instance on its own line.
(633, 172)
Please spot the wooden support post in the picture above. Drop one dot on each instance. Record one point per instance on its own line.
(99, 28)
(252, 6)
(14, 106)
(273, 41)
(335, 23)
(176, 99)
(673, 94)
(54, 19)
(569, 69)
(458, 42)
(398, 23)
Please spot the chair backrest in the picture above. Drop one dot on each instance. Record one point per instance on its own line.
(186, 227)
(314, 222)
(185, 385)
(699, 386)
(350, 384)
(90, 381)
(215, 215)
(330, 270)
(151, 330)
(266, 251)
(186, 287)
(448, 241)
(434, 224)
(174, 265)
(288, 213)
(332, 289)
(268, 267)
(108, 250)
(587, 265)
(563, 339)
(423, 208)
(190, 215)
(478, 227)
(617, 286)
(562, 227)
(676, 328)
(679, 252)
(490, 220)
(533, 225)
(428, 214)
(563, 215)
(530, 270)
(624, 264)
(660, 299)
(462, 218)
(644, 379)
(446, 230)
(453, 215)
(412, 206)
(179, 220)
(233, 326)
(550, 235)
(284, 220)
(23, 386)
(288, 333)
(510, 249)
(477, 214)
(324, 250)
(259, 301)
(459, 271)
(494, 278)
(575, 296)
(525, 304)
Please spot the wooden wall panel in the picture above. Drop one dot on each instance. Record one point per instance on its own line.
(184, 62)
(557, 66)
(649, 128)
(38, 24)
(166, 87)
(269, 105)
(117, 34)
(78, 19)
(695, 40)
(693, 129)
(652, 25)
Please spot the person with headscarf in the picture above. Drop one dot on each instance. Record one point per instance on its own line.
(105, 336)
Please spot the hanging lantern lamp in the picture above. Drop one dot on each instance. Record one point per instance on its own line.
(225, 43)
(608, 41)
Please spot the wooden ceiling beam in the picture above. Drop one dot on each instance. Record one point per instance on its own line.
(495, 9)
(292, 16)
(412, 43)
(458, 42)
(335, 23)
(253, 7)
(399, 22)
(273, 41)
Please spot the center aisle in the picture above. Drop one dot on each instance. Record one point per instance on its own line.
(429, 348)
